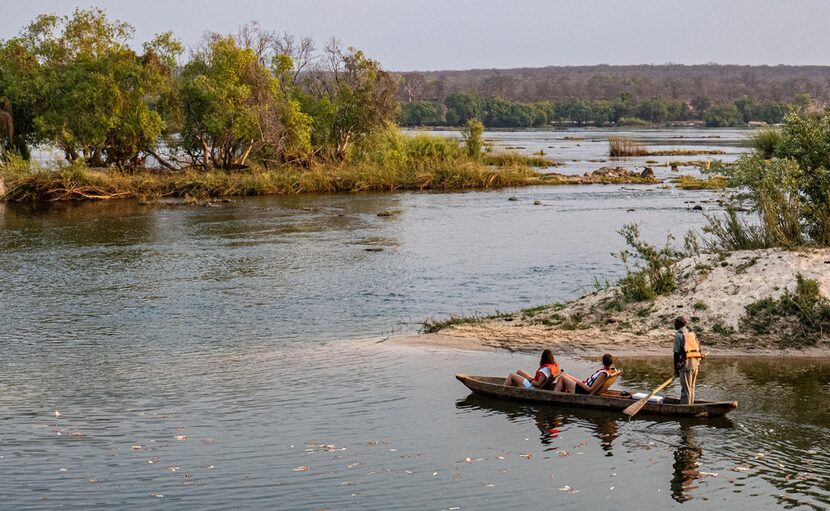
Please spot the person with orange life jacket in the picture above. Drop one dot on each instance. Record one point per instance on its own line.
(687, 357)
(573, 385)
(547, 372)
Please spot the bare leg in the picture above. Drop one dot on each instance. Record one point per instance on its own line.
(525, 374)
(515, 380)
(566, 383)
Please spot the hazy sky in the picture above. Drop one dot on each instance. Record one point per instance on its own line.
(463, 34)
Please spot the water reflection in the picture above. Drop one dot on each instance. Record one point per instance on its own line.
(685, 465)
(551, 422)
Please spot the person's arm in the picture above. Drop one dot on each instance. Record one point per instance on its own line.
(538, 382)
(679, 352)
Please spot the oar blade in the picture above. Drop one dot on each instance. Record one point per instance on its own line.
(636, 407)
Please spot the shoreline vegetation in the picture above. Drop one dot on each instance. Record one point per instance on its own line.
(250, 113)
(748, 287)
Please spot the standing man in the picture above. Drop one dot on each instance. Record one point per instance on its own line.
(686, 359)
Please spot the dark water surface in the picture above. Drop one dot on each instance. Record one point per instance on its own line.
(211, 358)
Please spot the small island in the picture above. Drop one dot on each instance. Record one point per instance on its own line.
(751, 285)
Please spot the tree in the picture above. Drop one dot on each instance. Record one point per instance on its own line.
(419, 113)
(78, 85)
(461, 108)
(233, 107)
(6, 128)
(351, 97)
(721, 116)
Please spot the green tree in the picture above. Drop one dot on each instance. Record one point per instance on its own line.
(419, 113)
(721, 116)
(233, 107)
(351, 97)
(473, 134)
(78, 85)
(461, 108)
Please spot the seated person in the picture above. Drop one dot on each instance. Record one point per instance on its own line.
(568, 383)
(548, 370)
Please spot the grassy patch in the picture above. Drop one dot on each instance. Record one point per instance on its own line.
(431, 326)
(700, 306)
(722, 330)
(686, 182)
(516, 159)
(798, 318)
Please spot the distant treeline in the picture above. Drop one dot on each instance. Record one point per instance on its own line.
(495, 112)
(608, 94)
(718, 84)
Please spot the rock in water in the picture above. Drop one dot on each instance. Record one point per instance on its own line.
(612, 172)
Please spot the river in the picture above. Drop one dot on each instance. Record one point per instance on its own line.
(232, 356)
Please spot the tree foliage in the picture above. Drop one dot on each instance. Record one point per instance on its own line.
(787, 181)
(74, 82)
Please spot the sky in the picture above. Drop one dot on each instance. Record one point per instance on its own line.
(472, 34)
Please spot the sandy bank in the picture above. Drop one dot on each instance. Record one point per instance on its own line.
(713, 291)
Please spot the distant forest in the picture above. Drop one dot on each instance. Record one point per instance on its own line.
(717, 95)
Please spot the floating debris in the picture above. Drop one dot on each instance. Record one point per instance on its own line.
(472, 460)
(57, 413)
(526, 455)
(135, 447)
(740, 468)
(181, 437)
(158, 495)
(565, 488)
(301, 468)
(435, 474)
(562, 453)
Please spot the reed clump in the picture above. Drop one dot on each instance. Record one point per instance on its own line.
(624, 146)
(621, 147)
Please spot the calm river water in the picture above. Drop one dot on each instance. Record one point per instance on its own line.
(229, 357)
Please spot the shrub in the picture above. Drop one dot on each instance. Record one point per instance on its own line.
(806, 305)
(654, 273)
(473, 134)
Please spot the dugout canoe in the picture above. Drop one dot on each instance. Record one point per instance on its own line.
(611, 400)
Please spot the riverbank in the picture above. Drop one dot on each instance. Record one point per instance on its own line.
(81, 183)
(737, 303)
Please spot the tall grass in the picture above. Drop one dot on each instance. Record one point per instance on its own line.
(624, 146)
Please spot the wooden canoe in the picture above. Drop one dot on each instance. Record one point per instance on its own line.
(612, 400)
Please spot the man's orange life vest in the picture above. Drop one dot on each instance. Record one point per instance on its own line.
(691, 346)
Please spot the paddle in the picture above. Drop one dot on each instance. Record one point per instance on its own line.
(633, 409)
